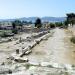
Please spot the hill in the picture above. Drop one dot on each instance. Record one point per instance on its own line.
(33, 19)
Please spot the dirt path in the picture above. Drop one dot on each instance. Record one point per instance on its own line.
(57, 49)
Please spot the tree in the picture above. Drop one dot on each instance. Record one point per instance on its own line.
(30, 22)
(38, 23)
(71, 18)
(59, 24)
(14, 30)
(52, 25)
(24, 22)
(65, 23)
(21, 25)
(13, 25)
(16, 24)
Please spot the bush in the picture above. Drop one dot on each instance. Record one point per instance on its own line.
(59, 24)
(52, 25)
(38, 23)
(4, 34)
(73, 39)
(14, 31)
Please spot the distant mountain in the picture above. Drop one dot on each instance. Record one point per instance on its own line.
(54, 19)
(33, 19)
(49, 19)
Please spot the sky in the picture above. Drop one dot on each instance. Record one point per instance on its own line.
(35, 8)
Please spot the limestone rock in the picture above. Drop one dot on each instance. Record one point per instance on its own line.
(21, 60)
(46, 64)
(34, 63)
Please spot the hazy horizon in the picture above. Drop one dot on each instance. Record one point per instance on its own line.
(32, 17)
(11, 9)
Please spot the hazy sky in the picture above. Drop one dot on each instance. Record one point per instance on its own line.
(39, 8)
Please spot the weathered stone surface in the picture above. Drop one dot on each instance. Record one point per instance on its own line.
(21, 60)
(28, 52)
(20, 73)
(24, 51)
(32, 69)
(32, 45)
(68, 66)
(37, 41)
(5, 70)
(34, 63)
(17, 51)
(53, 65)
(29, 39)
(46, 64)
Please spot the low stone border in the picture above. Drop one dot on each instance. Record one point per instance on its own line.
(27, 50)
(67, 67)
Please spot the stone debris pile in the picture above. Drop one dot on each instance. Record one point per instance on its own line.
(39, 68)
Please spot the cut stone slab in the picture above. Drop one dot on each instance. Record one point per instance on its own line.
(28, 52)
(52, 65)
(25, 53)
(21, 60)
(46, 64)
(34, 63)
(33, 45)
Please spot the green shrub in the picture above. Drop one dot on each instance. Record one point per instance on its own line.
(48, 31)
(73, 39)
(27, 66)
(4, 34)
(52, 25)
(15, 31)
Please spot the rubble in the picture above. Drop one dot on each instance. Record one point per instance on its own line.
(5, 70)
